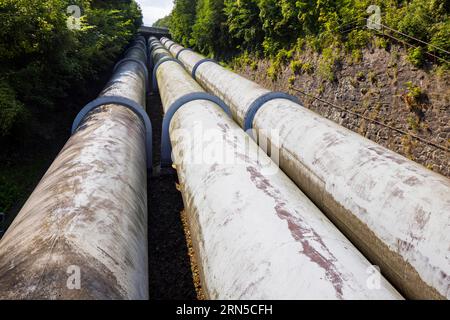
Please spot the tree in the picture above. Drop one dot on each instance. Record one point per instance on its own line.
(42, 60)
(244, 23)
(209, 33)
(163, 22)
(182, 21)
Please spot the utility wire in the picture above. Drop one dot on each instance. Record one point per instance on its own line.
(371, 120)
(403, 41)
(411, 37)
(413, 46)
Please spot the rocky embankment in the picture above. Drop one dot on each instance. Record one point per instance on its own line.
(382, 96)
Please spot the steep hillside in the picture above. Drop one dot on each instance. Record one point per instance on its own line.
(382, 96)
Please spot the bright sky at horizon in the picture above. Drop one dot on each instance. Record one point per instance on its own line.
(155, 9)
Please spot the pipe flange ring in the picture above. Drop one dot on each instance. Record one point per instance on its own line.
(166, 146)
(125, 102)
(163, 41)
(259, 102)
(179, 52)
(194, 69)
(159, 46)
(172, 44)
(155, 69)
(142, 64)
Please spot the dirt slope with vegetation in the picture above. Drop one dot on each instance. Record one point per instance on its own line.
(390, 83)
(382, 97)
(48, 72)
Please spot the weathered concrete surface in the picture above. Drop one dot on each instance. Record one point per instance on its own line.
(394, 210)
(89, 211)
(256, 235)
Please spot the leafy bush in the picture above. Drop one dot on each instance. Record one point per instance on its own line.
(10, 108)
(327, 64)
(244, 23)
(219, 26)
(183, 18)
(45, 69)
(358, 39)
(43, 61)
(296, 66)
(307, 68)
(416, 56)
(163, 22)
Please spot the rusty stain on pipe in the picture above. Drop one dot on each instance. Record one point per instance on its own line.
(82, 234)
(256, 235)
(396, 211)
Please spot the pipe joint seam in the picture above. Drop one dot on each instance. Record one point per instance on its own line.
(155, 69)
(139, 62)
(156, 47)
(179, 52)
(259, 102)
(172, 44)
(166, 146)
(125, 102)
(194, 69)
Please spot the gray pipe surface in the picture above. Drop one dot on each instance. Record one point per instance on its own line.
(396, 211)
(82, 234)
(255, 234)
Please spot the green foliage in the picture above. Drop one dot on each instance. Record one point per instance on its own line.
(291, 80)
(209, 33)
(46, 68)
(327, 64)
(15, 180)
(163, 22)
(416, 56)
(43, 61)
(244, 23)
(380, 42)
(427, 21)
(414, 92)
(357, 39)
(296, 66)
(413, 122)
(307, 67)
(183, 18)
(440, 38)
(282, 58)
(218, 26)
(10, 108)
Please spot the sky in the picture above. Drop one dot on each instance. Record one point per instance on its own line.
(155, 9)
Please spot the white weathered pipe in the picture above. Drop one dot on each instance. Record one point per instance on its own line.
(256, 235)
(82, 234)
(396, 211)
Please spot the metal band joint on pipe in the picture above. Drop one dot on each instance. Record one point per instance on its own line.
(142, 64)
(194, 69)
(156, 47)
(155, 69)
(179, 52)
(125, 102)
(259, 102)
(172, 44)
(166, 146)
